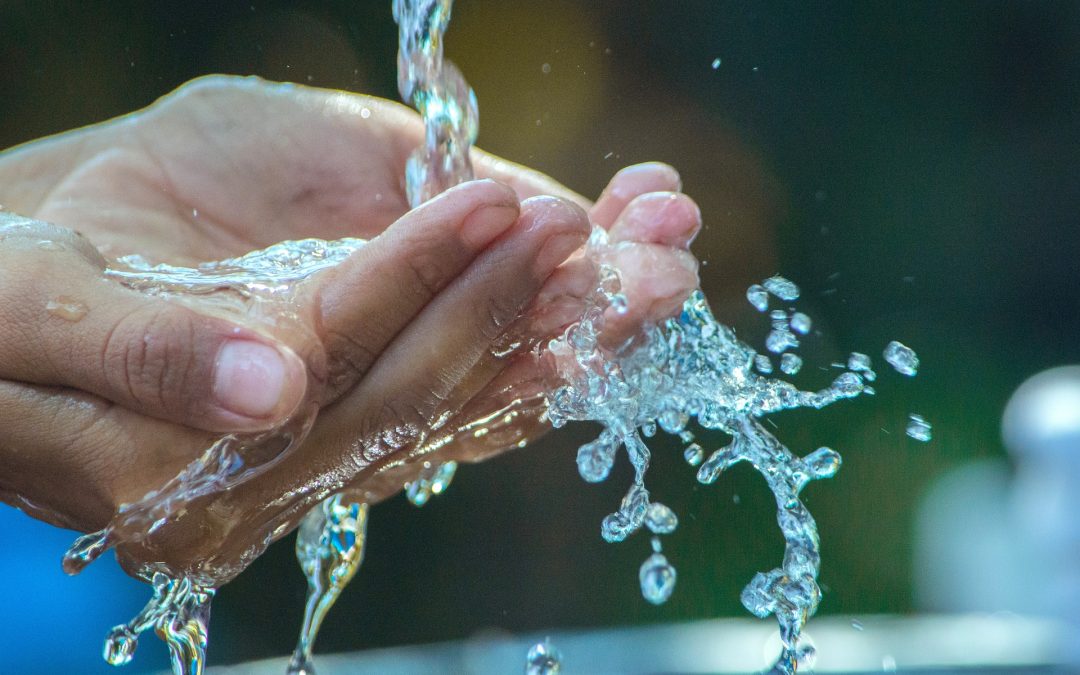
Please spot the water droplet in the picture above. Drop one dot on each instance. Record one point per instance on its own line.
(618, 303)
(888, 663)
(661, 519)
(856, 624)
(120, 646)
(596, 458)
(543, 659)
(780, 340)
(902, 358)
(673, 421)
(66, 308)
(801, 323)
(758, 297)
(365, 112)
(657, 578)
(848, 385)
(822, 463)
(716, 63)
(693, 454)
(790, 363)
(546, 69)
(918, 428)
(782, 288)
(49, 245)
(763, 364)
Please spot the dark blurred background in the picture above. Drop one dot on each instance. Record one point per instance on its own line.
(914, 166)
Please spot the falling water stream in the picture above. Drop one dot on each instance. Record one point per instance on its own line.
(686, 371)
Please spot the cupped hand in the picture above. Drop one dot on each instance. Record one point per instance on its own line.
(107, 393)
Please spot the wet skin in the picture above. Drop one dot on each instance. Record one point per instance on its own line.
(397, 339)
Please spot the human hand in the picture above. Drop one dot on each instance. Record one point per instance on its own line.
(128, 186)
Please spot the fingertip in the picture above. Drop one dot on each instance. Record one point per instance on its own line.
(630, 182)
(656, 281)
(668, 218)
(256, 386)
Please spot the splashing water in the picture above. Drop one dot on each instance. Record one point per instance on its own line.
(179, 612)
(330, 548)
(688, 369)
(902, 358)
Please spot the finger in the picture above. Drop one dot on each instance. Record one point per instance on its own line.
(526, 182)
(629, 183)
(668, 218)
(396, 404)
(439, 350)
(507, 414)
(365, 301)
(63, 323)
(52, 439)
(656, 280)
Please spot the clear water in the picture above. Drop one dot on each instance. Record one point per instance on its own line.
(688, 370)
(902, 358)
(692, 368)
(330, 548)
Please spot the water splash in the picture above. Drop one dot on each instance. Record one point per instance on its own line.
(330, 548)
(693, 368)
(179, 612)
(688, 369)
(902, 358)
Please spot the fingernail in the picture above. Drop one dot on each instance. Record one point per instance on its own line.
(487, 222)
(249, 378)
(647, 177)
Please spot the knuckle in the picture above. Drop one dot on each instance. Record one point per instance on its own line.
(428, 265)
(391, 427)
(493, 314)
(351, 359)
(148, 355)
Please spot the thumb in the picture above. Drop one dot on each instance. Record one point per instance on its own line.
(63, 324)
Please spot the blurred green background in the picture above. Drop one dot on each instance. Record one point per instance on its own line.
(914, 166)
